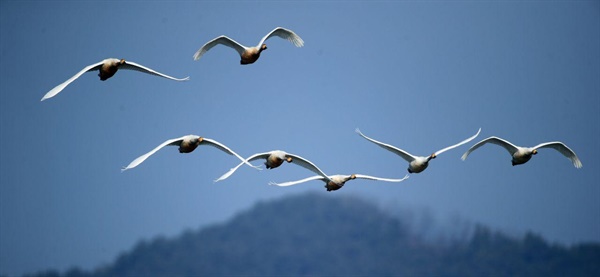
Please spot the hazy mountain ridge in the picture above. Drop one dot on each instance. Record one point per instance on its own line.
(311, 234)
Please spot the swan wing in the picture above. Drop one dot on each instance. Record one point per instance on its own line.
(226, 149)
(291, 183)
(511, 148)
(142, 158)
(361, 176)
(563, 149)
(224, 40)
(249, 159)
(60, 87)
(405, 155)
(306, 164)
(284, 34)
(458, 144)
(138, 67)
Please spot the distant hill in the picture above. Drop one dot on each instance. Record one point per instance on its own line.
(311, 234)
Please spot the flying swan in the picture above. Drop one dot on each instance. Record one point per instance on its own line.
(335, 182)
(250, 54)
(416, 164)
(274, 159)
(187, 144)
(521, 155)
(108, 68)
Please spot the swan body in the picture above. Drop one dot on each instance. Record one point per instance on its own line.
(274, 159)
(416, 164)
(249, 55)
(335, 182)
(186, 144)
(521, 155)
(107, 68)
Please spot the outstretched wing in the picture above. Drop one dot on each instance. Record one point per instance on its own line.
(138, 67)
(284, 34)
(458, 144)
(291, 183)
(142, 158)
(405, 155)
(360, 176)
(224, 40)
(249, 159)
(563, 149)
(511, 148)
(60, 87)
(306, 164)
(226, 149)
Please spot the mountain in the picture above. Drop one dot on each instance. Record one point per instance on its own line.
(312, 234)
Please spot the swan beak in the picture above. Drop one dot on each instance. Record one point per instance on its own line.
(288, 159)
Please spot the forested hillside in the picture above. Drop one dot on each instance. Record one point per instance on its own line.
(312, 234)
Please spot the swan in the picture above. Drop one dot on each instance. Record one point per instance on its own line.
(107, 68)
(335, 182)
(250, 54)
(274, 159)
(187, 144)
(521, 155)
(416, 164)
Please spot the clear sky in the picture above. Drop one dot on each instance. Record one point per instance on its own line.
(418, 75)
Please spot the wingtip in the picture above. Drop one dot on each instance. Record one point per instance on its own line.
(46, 97)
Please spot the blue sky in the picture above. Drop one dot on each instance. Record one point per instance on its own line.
(418, 75)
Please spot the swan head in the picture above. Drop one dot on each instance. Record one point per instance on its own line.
(433, 156)
(352, 177)
(122, 61)
(263, 47)
(288, 159)
(534, 152)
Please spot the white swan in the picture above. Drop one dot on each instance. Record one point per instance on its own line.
(335, 182)
(416, 164)
(108, 68)
(274, 159)
(521, 155)
(187, 144)
(250, 54)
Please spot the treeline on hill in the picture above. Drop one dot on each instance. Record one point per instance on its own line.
(318, 235)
